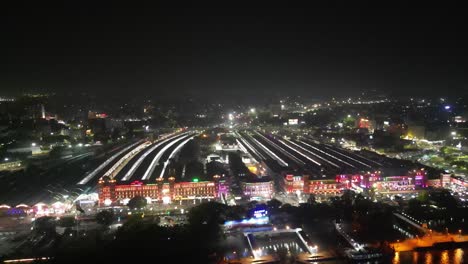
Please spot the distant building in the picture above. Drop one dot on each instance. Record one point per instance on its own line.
(96, 115)
(276, 110)
(228, 143)
(12, 165)
(460, 119)
(32, 150)
(416, 132)
(365, 123)
(214, 157)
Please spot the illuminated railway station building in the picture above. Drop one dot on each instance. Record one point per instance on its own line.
(258, 188)
(414, 180)
(112, 193)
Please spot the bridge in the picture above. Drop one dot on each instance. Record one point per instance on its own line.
(411, 221)
(349, 239)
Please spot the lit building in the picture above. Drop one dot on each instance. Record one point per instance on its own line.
(415, 179)
(12, 165)
(112, 193)
(258, 188)
(395, 183)
(364, 180)
(228, 143)
(364, 123)
(445, 179)
(416, 132)
(294, 183)
(326, 187)
(459, 182)
(303, 184)
(460, 119)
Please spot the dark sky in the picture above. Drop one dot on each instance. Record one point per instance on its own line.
(235, 50)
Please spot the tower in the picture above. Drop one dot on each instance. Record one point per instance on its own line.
(171, 187)
(160, 183)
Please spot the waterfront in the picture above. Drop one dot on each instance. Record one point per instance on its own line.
(453, 256)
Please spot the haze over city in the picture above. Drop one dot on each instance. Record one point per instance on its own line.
(130, 50)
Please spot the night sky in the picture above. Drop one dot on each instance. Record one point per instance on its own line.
(235, 50)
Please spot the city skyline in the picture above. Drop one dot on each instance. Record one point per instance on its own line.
(229, 133)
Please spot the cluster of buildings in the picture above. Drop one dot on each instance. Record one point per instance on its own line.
(262, 188)
(259, 186)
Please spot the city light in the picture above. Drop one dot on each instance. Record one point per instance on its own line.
(107, 202)
(166, 200)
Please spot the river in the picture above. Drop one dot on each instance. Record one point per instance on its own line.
(452, 256)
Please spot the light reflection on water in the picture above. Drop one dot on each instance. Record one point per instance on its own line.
(454, 256)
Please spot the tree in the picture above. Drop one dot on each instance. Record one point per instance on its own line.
(311, 199)
(372, 191)
(443, 199)
(274, 204)
(205, 221)
(414, 206)
(348, 198)
(45, 224)
(67, 221)
(105, 217)
(423, 196)
(137, 202)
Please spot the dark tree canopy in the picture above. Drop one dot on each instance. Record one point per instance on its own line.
(105, 217)
(137, 202)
